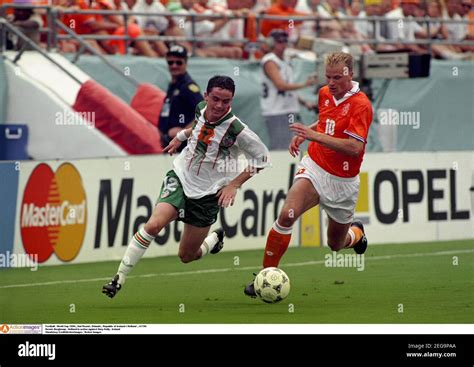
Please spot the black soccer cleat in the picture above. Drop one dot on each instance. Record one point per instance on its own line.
(219, 245)
(361, 246)
(111, 289)
(249, 289)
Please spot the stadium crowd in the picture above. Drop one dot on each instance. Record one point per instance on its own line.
(226, 34)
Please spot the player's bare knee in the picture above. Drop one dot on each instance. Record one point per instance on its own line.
(153, 226)
(285, 219)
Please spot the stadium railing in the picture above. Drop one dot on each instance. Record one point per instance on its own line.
(6, 26)
(53, 16)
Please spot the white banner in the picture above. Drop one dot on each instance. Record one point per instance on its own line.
(414, 197)
(87, 210)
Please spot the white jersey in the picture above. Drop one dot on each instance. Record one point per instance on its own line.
(397, 32)
(211, 158)
(274, 102)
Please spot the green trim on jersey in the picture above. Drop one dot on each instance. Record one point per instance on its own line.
(236, 127)
(229, 138)
(201, 105)
(207, 129)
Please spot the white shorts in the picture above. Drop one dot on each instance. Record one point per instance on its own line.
(337, 195)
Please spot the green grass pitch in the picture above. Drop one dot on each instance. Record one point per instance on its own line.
(429, 282)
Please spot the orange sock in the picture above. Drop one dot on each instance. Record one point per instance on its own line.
(355, 236)
(277, 244)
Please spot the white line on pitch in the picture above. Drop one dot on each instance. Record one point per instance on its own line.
(222, 270)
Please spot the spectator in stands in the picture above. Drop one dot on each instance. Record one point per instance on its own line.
(28, 21)
(78, 23)
(88, 24)
(230, 29)
(433, 10)
(470, 16)
(103, 24)
(385, 8)
(279, 101)
(331, 28)
(338, 27)
(261, 6)
(206, 27)
(133, 29)
(439, 30)
(308, 7)
(458, 10)
(153, 25)
(354, 8)
(181, 98)
(409, 30)
(372, 29)
(283, 8)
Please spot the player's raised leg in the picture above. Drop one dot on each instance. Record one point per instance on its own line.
(197, 242)
(350, 235)
(301, 197)
(163, 214)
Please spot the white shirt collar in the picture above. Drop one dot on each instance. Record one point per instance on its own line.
(355, 89)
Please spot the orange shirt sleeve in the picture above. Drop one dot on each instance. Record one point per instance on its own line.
(360, 121)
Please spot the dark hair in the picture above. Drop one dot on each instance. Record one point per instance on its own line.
(221, 81)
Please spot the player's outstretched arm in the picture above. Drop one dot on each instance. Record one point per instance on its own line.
(227, 194)
(297, 140)
(176, 142)
(349, 146)
(294, 147)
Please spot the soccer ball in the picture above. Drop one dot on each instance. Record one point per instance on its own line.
(272, 285)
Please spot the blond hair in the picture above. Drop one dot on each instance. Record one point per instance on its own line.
(338, 58)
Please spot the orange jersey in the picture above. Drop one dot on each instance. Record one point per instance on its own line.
(269, 24)
(79, 23)
(351, 117)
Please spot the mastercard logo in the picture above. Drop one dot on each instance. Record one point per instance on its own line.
(53, 213)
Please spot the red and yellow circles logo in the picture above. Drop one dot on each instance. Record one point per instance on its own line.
(53, 213)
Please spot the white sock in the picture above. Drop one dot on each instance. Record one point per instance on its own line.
(352, 236)
(209, 242)
(135, 250)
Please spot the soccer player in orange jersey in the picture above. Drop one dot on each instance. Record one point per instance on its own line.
(329, 175)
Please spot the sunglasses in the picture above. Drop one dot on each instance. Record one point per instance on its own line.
(177, 62)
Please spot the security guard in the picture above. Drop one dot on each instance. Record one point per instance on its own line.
(181, 99)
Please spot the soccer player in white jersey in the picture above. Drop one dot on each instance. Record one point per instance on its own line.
(198, 185)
